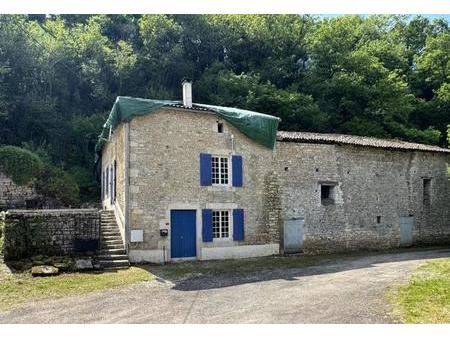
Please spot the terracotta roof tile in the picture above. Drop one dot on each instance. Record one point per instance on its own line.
(303, 137)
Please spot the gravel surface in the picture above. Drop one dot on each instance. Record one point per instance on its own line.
(348, 291)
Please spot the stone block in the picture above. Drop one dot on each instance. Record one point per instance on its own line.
(44, 271)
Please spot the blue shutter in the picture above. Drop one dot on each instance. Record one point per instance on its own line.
(236, 162)
(205, 170)
(207, 231)
(238, 224)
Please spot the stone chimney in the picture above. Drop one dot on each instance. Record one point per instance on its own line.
(187, 93)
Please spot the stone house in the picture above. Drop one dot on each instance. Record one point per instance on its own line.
(186, 181)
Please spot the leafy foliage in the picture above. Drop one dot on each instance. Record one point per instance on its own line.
(25, 167)
(19, 164)
(25, 239)
(380, 75)
(56, 183)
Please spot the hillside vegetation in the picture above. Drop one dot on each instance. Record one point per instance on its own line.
(384, 76)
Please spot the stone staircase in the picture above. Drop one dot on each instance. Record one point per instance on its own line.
(112, 253)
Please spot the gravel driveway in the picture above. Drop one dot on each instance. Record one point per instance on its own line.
(348, 291)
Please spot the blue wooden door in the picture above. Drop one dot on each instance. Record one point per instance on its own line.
(182, 233)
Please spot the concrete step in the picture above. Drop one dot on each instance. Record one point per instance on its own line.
(119, 263)
(112, 242)
(111, 237)
(118, 251)
(108, 247)
(110, 232)
(109, 227)
(112, 257)
(115, 239)
(114, 268)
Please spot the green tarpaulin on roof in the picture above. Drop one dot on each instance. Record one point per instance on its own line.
(260, 128)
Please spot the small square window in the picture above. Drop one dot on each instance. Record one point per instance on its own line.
(220, 127)
(327, 194)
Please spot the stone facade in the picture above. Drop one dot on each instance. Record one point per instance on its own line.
(114, 154)
(371, 188)
(50, 232)
(13, 195)
(164, 175)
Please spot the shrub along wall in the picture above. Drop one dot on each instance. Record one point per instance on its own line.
(50, 232)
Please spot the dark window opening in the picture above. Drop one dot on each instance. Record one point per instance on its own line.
(378, 219)
(326, 194)
(219, 127)
(426, 192)
(325, 191)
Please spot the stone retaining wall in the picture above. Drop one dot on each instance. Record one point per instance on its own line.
(13, 195)
(51, 232)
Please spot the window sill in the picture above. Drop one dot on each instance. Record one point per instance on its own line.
(221, 188)
(327, 202)
(222, 240)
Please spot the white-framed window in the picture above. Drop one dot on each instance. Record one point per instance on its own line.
(220, 170)
(221, 224)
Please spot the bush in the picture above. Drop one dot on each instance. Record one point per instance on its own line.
(89, 189)
(19, 164)
(25, 167)
(56, 183)
(25, 238)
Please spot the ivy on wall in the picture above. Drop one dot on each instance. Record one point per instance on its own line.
(26, 238)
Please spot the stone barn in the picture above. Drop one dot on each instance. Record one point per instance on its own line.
(192, 181)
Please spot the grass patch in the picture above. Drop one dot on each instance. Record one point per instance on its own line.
(19, 288)
(426, 297)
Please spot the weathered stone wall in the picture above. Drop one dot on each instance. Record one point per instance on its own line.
(50, 232)
(164, 174)
(115, 150)
(373, 189)
(13, 195)
(370, 183)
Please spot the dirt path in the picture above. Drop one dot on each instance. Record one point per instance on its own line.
(349, 291)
